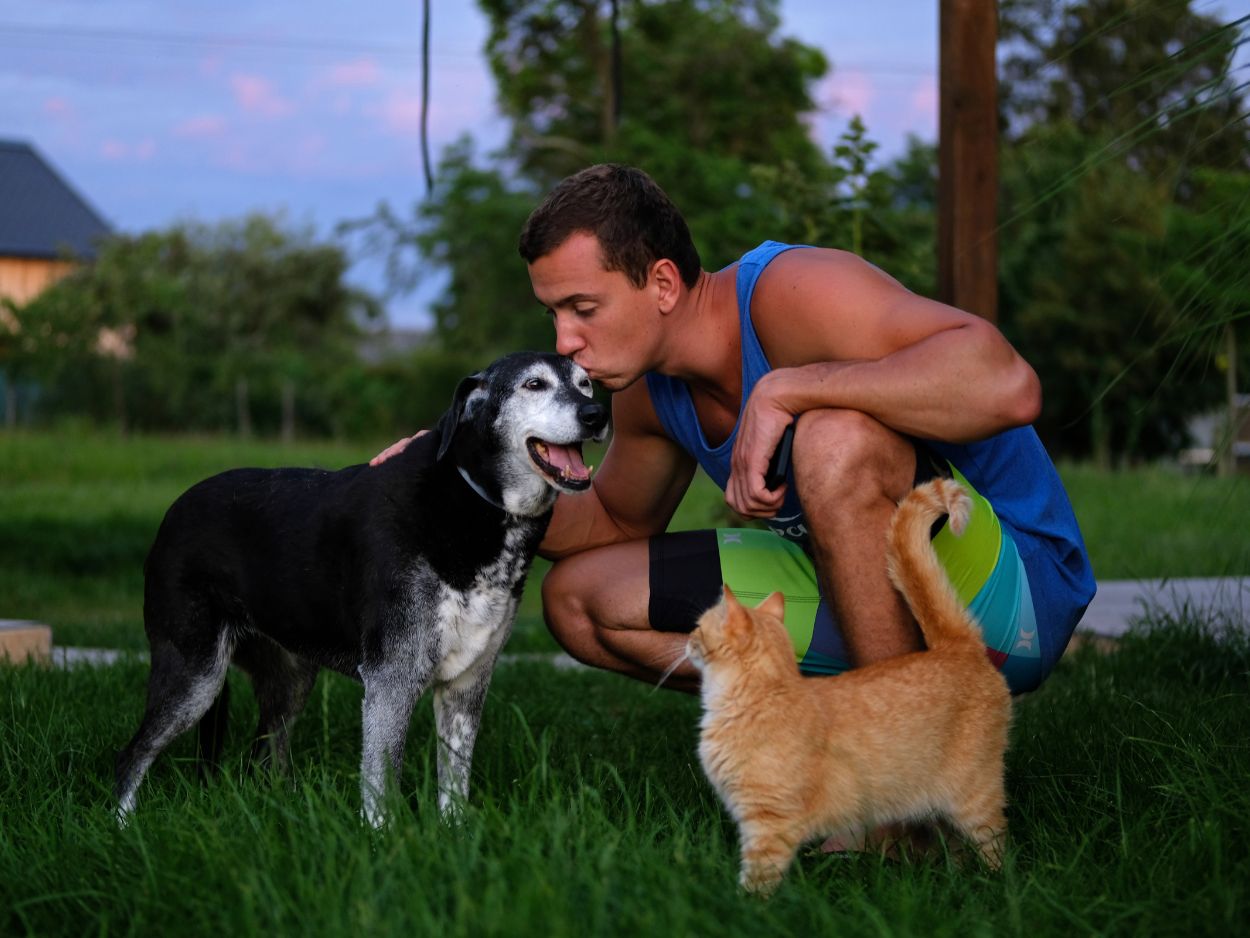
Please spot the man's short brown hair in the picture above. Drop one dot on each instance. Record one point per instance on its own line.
(635, 222)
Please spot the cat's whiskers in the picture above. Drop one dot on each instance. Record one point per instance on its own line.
(668, 672)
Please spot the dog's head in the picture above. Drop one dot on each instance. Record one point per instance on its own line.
(517, 427)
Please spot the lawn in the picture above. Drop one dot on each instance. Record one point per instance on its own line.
(589, 816)
(78, 512)
(589, 813)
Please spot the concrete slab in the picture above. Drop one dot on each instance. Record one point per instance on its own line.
(1116, 607)
(1120, 603)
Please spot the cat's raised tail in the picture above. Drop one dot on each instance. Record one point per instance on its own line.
(916, 572)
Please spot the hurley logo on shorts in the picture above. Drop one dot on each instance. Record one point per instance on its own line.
(791, 527)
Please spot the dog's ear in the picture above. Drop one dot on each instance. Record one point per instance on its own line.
(448, 423)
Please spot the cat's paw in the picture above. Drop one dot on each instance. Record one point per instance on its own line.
(761, 881)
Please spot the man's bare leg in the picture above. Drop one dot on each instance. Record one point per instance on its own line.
(851, 472)
(595, 604)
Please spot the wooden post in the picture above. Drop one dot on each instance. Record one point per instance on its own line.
(968, 157)
(21, 641)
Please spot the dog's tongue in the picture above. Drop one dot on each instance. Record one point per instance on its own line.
(568, 460)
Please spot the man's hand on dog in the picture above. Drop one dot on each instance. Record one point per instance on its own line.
(395, 448)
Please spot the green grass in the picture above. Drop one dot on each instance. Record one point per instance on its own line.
(589, 815)
(1155, 522)
(78, 512)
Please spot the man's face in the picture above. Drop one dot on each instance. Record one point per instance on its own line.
(603, 322)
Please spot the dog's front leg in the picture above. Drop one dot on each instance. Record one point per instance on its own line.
(392, 689)
(457, 715)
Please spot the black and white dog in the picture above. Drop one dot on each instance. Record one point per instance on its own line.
(403, 576)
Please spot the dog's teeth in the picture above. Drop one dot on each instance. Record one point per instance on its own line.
(590, 469)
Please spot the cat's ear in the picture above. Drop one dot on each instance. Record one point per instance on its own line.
(730, 599)
(774, 605)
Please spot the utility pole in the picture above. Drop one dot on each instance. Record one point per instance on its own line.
(968, 157)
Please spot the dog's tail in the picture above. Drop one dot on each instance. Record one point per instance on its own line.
(212, 734)
(915, 570)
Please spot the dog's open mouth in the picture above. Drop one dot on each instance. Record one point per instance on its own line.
(561, 462)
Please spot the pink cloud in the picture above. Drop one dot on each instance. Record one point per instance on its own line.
(357, 74)
(257, 95)
(204, 125)
(450, 114)
(58, 107)
(924, 99)
(401, 113)
(849, 92)
(119, 150)
(211, 64)
(308, 156)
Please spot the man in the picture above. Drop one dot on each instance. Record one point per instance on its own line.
(886, 388)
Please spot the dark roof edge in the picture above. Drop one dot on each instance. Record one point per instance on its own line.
(87, 206)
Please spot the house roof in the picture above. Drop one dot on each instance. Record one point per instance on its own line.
(40, 213)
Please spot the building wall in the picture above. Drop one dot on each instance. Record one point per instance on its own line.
(22, 278)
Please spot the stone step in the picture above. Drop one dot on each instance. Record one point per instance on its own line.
(21, 640)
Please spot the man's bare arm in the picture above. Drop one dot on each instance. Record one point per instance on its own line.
(842, 334)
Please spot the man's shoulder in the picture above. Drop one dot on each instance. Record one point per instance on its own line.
(818, 264)
(807, 301)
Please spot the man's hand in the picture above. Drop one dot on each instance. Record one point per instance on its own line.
(395, 448)
(764, 420)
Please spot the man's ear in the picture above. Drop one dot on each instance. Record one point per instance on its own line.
(666, 279)
(448, 423)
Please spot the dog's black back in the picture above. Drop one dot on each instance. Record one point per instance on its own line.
(300, 554)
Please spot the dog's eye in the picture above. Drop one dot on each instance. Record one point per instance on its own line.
(535, 384)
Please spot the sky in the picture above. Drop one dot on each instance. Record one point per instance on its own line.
(160, 112)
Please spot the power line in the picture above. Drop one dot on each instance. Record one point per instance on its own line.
(297, 44)
(410, 53)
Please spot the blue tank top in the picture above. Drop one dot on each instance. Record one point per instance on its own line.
(1011, 469)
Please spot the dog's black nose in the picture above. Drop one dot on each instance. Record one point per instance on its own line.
(593, 416)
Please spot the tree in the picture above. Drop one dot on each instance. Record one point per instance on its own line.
(1117, 110)
(1086, 300)
(1152, 78)
(1208, 241)
(886, 214)
(161, 329)
(712, 74)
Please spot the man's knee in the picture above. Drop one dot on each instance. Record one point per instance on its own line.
(847, 451)
(564, 607)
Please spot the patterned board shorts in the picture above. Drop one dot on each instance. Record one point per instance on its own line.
(688, 567)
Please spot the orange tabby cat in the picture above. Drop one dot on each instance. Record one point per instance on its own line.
(916, 737)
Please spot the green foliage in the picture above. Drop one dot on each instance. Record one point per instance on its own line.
(398, 395)
(1088, 306)
(1117, 269)
(196, 327)
(1152, 78)
(883, 214)
(709, 75)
